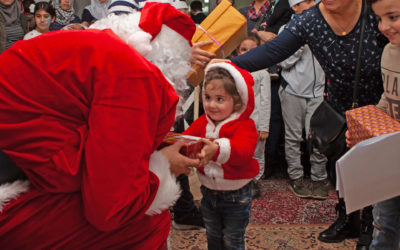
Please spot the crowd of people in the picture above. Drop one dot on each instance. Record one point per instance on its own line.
(87, 141)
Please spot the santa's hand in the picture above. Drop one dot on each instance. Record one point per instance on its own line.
(207, 152)
(180, 164)
(200, 56)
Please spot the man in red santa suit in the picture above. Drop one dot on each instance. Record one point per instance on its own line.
(82, 113)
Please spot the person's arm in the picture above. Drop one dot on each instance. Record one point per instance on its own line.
(199, 56)
(265, 103)
(271, 53)
(238, 150)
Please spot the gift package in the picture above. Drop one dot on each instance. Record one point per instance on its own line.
(369, 121)
(192, 144)
(226, 27)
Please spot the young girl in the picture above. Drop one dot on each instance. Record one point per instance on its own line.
(227, 163)
(44, 15)
(262, 103)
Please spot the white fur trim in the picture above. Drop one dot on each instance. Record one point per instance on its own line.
(241, 85)
(11, 191)
(169, 191)
(214, 171)
(224, 150)
(140, 40)
(212, 131)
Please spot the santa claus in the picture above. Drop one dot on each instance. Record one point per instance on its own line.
(82, 113)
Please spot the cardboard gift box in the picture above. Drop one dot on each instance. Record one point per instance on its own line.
(192, 144)
(369, 121)
(226, 27)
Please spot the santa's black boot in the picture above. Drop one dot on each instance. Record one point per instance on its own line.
(367, 229)
(345, 226)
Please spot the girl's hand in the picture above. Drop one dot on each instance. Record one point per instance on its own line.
(207, 152)
(263, 135)
(349, 141)
(180, 164)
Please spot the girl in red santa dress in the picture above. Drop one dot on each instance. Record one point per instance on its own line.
(227, 162)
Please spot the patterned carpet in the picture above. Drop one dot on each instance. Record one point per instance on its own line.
(279, 220)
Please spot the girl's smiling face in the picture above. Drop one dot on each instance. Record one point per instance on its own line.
(388, 14)
(218, 103)
(43, 20)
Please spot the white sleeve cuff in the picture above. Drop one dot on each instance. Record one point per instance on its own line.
(224, 150)
(11, 191)
(168, 191)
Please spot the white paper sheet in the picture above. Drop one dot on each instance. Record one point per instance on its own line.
(369, 172)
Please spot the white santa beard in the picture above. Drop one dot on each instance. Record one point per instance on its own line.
(175, 62)
(169, 51)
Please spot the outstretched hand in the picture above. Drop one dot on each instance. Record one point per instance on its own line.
(180, 164)
(200, 56)
(207, 152)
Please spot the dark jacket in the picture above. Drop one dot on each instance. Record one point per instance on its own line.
(198, 18)
(279, 17)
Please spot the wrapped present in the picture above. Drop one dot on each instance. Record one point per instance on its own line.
(369, 121)
(226, 27)
(192, 144)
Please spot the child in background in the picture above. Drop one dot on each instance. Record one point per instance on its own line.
(44, 15)
(97, 10)
(227, 165)
(386, 213)
(262, 103)
(301, 92)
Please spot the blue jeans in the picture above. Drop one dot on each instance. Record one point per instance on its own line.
(226, 215)
(386, 234)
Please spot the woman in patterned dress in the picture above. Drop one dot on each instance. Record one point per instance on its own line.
(332, 30)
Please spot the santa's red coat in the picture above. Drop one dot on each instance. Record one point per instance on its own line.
(81, 112)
